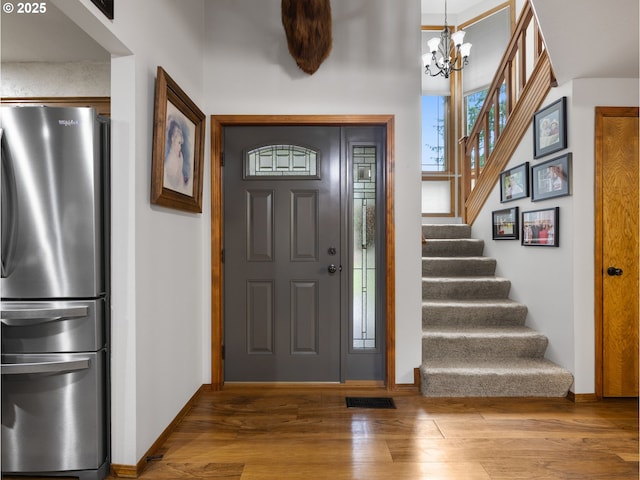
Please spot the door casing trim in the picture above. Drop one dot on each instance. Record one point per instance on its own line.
(218, 122)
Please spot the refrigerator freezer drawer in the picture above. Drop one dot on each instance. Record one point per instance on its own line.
(54, 414)
(53, 327)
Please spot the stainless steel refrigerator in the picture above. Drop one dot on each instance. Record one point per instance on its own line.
(55, 292)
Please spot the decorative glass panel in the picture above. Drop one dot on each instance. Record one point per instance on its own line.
(364, 247)
(282, 161)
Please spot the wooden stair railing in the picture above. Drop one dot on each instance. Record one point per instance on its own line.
(496, 134)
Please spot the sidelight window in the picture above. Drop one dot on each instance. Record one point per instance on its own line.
(364, 247)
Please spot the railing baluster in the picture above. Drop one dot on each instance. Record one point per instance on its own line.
(512, 73)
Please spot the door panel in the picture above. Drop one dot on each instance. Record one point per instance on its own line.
(259, 317)
(305, 317)
(304, 226)
(618, 196)
(260, 225)
(282, 217)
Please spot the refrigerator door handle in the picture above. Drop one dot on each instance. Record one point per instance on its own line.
(9, 209)
(23, 317)
(44, 367)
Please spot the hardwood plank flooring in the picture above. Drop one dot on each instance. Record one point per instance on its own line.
(283, 433)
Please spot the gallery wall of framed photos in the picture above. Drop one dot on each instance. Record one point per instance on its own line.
(547, 178)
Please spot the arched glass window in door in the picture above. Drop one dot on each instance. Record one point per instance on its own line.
(284, 161)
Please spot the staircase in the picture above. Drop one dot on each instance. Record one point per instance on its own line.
(474, 341)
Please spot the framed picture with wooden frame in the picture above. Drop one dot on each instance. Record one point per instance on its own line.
(540, 227)
(505, 224)
(178, 147)
(514, 183)
(550, 128)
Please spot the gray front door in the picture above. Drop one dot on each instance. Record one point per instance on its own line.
(282, 253)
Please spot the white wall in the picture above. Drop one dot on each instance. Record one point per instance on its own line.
(557, 284)
(171, 281)
(160, 286)
(373, 69)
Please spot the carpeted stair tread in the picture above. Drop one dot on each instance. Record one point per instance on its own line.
(465, 287)
(482, 343)
(473, 312)
(468, 247)
(479, 332)
(487, 366)
(437, 231)
(458, 266)
(519, 377)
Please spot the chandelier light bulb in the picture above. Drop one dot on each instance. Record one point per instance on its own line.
(458, 37)
(433, 44)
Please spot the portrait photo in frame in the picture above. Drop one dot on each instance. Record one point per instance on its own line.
(178, 147)
(551, 179)
(505, 224)
(514, 183)
(550, 128)
(540, 227)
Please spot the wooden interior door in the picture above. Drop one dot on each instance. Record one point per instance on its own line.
(617, 252)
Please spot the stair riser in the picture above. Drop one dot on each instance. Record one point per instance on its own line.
(458, 267)
(495, 385)
(446, 289)
(446, 231)
(485, 316)
(453, 248)
(483, 348)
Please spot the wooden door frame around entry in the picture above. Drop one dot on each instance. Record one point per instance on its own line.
(218, 122)
(600, 113)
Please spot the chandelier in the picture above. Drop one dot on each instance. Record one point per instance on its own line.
(447, 52)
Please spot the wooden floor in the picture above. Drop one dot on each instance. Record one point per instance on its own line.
(249, 433)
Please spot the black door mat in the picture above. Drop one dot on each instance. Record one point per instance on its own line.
(370, 402)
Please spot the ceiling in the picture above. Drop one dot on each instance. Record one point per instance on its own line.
(453, 6)
(52, 37)
(48, 37)
(591, 38)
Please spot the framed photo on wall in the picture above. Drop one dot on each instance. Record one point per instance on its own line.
(514, 183)
(550, 128)
(551, 179)
(505, 224)
(540, 227)
(178, 148)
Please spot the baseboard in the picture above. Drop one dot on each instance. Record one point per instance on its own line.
(364, 384)
(348, 385)
(582, 397)
(134, 471)
(125, 471)
(409, 387)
